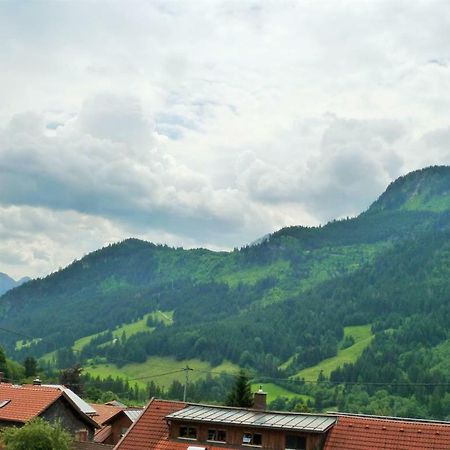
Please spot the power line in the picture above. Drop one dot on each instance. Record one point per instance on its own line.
(213, 372)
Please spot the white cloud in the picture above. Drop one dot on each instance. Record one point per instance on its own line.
(210, 122)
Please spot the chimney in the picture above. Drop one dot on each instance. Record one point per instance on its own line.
(260, 399)
(37, 382)
(1, 376)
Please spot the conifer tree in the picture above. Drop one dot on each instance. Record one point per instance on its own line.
(3, 364)
(30, 365)
(241, 394)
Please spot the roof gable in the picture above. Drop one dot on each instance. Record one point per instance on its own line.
(29, 401)
(105, 412)
(26, 402)
(83, 406)
(151, 428)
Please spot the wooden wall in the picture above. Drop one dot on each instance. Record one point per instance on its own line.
(271, 439)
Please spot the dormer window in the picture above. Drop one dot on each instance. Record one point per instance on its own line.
(294, 442)
(217, 435)
(252, 439)
(187, 432)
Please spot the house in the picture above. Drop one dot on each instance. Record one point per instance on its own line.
(168, 425)
(114, 421)
(171, 425)
(353, 431)
(19, 404)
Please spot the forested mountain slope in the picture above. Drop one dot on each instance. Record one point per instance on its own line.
(276, 307)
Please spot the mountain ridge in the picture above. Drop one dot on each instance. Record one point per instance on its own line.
(275, 307)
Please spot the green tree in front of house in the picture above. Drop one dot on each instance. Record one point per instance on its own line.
(37, 435)
(31, 367)
(241, 394)
(3, 364)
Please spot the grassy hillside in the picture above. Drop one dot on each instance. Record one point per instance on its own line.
(362, 336)
(162, 370)
(139, 326)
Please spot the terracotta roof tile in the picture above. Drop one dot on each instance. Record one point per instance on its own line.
(370, 433)
(91, 446)
(103, 434)
(151, 427)
(105, 412)
(150, 432)
(25, 402)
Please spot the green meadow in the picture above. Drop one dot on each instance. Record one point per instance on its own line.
(362, 336)
(129, 329)
(162, 370)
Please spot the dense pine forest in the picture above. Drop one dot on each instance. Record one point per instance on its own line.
(274, 308)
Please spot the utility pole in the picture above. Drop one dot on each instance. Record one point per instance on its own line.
(186, 381)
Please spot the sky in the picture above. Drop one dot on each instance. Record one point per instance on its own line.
(208, 123)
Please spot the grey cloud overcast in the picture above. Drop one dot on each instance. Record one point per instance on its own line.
(208, 123)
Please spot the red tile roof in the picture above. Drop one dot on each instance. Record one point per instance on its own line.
(26, 402)
(151, 427)
(103, 434)
(91, 446)
(105, 412)
(375, 433)
(150, 431)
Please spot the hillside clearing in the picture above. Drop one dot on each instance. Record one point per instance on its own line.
(129, 329)
(362, 335)
(162, 370)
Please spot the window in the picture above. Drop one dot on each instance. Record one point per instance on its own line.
(4, 403)
(81, 435)
(295, 442)
(217, 435)
(188, 432)
(252, 439)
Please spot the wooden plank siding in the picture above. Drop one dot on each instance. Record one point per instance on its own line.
(272, 439)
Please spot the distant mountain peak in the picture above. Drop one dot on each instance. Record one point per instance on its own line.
(426, 189)
(7, 283)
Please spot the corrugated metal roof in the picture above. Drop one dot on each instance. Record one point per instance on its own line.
(133, 414)
(84, 406)
(234, 416)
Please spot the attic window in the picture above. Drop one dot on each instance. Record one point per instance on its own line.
(188, 432)
(294, 442)
(4, 403)
(217, 435)
(81, 435)
(252, 439)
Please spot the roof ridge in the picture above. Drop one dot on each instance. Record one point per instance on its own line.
(393, 418)
(265, 411)
(30, 387)
(154, 399)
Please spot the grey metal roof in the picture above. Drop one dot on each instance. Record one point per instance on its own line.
(246, 417)
(133, 414)
(82, 405)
